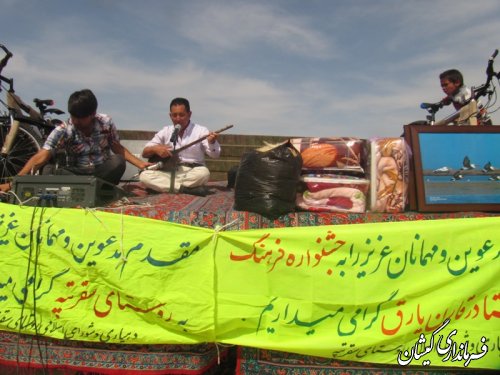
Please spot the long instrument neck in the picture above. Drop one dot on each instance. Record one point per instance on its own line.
(201, 139)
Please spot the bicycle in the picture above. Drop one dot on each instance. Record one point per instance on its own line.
(470, 113)
(22, 128)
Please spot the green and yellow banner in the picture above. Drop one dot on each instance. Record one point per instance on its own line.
(423, 293)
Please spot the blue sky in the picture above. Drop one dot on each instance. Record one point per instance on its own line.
(285, 67)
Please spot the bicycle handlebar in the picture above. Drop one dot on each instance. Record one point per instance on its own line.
(3, 63)
(484, 89)
(41, 104)
(489, 70)
(432, 107)
(6, 58)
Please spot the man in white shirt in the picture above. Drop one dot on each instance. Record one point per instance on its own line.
(187, 166)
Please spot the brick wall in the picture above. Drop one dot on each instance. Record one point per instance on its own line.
(233, 147)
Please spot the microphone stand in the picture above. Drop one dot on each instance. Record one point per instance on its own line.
(172, 172)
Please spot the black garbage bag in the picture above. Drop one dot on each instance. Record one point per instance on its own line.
(266, 182)
(231, 176)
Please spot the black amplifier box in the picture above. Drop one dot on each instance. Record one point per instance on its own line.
(64, 191)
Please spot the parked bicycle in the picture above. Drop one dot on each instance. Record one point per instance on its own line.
(23, 129)
(471, 113)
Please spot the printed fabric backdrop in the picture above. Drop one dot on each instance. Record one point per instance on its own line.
(420, 292)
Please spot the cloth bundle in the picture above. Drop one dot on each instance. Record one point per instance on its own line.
(333, 171)
(331, 155)
(334, 193)
(389, 171)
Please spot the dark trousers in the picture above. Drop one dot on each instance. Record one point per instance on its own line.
(111, 170)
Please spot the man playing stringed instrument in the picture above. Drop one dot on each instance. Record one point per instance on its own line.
(182, 171)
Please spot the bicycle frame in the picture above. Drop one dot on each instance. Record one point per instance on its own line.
(14, 125)
(22, 128)
(465, 115)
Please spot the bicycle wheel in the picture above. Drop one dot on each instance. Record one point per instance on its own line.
(25, 145)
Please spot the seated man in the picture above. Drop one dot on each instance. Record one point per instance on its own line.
(187, 166)
(87, 139)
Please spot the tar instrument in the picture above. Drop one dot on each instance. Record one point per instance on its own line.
(170, 163)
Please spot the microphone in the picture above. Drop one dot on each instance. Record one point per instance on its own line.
(175, 134)
(432, 106)
(153, 167)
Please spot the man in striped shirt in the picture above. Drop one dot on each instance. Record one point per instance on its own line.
(89, 142)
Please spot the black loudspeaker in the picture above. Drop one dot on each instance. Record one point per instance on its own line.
(64, 191)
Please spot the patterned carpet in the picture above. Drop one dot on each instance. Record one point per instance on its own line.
(24, 354)
(217, 209)
(253, 361)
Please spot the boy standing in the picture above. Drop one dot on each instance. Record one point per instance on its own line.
(458, 94)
